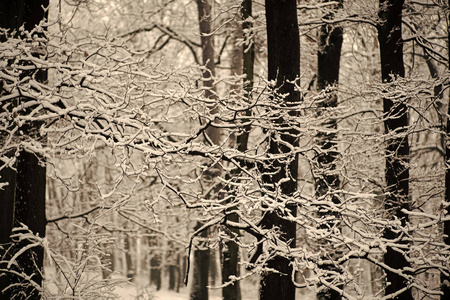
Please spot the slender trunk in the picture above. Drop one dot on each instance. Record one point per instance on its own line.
(155, 262)
(280, 174)
(155, 272)
(242, 63)
(138, 253)
(445, 280)
(171, 264)
(229, 250)
(249, 52)
(207, 43)
(116, 265)
(212, 267)
(397, 149)
(172, 277)
(107, 261)
(181, 270)
(326, 178)
(25, 195)
(199, 290)
(7, 194)
(128, 258)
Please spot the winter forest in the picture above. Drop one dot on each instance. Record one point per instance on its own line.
(224, 149)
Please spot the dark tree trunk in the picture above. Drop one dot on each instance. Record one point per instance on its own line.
(212, 267)
(247, 68)
(199, 290)
(230, 267)
(24, 198)
(445, 280)
(181, 270)
(283, 44)
(172, 277)
(230, 251)
(155, 272)
(249, 51)
(30, 210)
(207, 42)
(397, 149)
(7, 194)
(326, 179)
(172, 265)
(155, 262)
(128, 258)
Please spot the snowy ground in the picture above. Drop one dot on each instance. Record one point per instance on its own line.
(139, 289)
(131, 292)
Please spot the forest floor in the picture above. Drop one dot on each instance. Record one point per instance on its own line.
(131, 292)
(139, 288)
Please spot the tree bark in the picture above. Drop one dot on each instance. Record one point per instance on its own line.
(326, 179)
(155, 262)
(242, 63)
(172, 262)
(229, 250)
(212, 267)
(25, 196)
(155, 272)
(7, 194)
(280, 174)
(397, 149)
(130, 269)
(172, 277)
(181, 270)
(199, 290)
(445, 280)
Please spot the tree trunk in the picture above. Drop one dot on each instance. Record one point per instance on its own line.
(129, 258)
(199, 288)
(207, 43)
(326, 179)
(107, 260)
(24, 199)
(172, 277)
(280, 174)
(445, 280)
(155, 272)
(242, 62)
(397, 149)
(155, 262)
(171, 265)
(212, 267)
(7, 194)
(181, 270)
